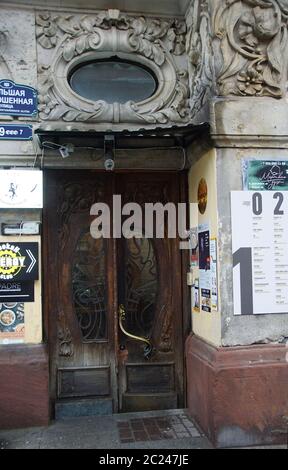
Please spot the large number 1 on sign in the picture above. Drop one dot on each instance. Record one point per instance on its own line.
(243, 257)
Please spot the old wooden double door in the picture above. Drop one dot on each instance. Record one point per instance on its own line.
(113, 306)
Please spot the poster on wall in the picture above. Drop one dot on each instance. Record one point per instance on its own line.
(214, 278)
(265, 175)
(12, 323)
(204, 267)
(260, 252)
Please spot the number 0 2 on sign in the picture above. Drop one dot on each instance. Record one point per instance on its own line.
(260, 252)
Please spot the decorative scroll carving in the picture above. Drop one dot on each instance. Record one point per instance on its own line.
(165, 343)
(152, 42)
(76, 198)
(253, 40)
(66, 348)
(200, 55)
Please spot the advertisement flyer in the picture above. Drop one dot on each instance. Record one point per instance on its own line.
(214, 279)
(194, 247)
(204, 267)
(12, 325)
(265, 175)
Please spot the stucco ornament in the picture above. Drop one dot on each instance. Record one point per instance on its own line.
(200, 55)
(4, 69)
(253, 39)
(154, 43)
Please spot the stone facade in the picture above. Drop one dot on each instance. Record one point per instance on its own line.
(225, 62)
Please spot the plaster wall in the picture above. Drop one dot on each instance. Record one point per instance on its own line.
(241, 330)
(244, 129)
(205, 325)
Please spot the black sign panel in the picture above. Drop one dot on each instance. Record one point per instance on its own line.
(19, 261)
(11, 291)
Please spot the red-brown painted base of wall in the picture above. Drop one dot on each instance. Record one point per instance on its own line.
(238, 395)
(24, 386)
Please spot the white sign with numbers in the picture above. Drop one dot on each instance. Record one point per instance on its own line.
(260, 252)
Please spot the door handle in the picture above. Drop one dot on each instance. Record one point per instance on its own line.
(122, 317)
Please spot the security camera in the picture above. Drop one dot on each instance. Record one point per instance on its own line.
(109, 152)
(109, 164)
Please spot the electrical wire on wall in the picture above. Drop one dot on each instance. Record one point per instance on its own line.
(66, 150)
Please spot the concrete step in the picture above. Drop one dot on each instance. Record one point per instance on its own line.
(68, 408)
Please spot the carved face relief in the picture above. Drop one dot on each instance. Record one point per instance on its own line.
(70, 41)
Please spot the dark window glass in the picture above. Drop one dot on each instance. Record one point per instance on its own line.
(113, 81)
(89, 287)
(141, 286)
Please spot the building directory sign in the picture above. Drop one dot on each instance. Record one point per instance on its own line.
(17, 100)
(16, 132)
(260, 252)
(265, 175)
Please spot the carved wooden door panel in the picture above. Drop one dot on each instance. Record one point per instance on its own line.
(150, 309)
(80, 294)
(113, 307)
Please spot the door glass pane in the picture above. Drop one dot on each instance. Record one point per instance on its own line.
(141, 286)
(90, 288)
(113, 81)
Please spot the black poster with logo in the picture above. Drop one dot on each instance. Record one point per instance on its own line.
(19, 261)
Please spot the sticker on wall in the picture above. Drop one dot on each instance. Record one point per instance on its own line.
(202, 196)
(12, 323)
(196, 296)
(21, 189)
(206, 300)
(265, 175)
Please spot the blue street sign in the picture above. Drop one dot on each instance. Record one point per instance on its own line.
(17, 100)
(15, 132)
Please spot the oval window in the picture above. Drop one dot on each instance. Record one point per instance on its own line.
(113, 81)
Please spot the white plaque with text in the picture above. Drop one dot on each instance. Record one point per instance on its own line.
(260, 252)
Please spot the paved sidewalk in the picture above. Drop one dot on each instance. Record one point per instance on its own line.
(149, 430)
